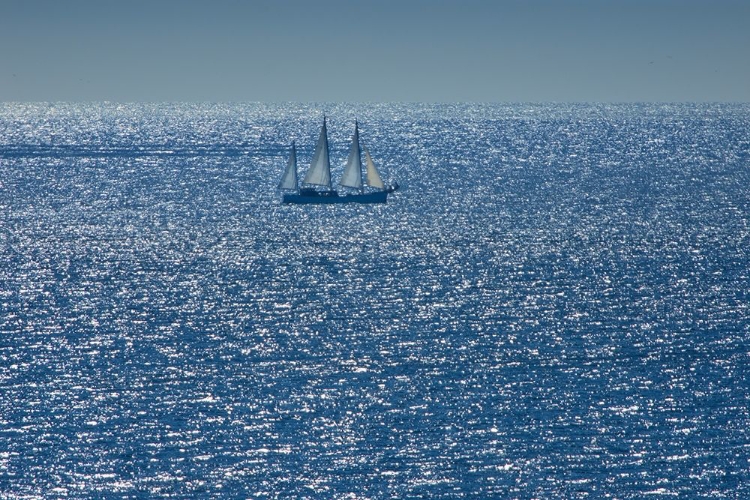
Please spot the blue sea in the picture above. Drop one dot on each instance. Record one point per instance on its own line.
(555, 304)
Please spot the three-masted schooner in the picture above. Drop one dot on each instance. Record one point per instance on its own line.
(316, 186)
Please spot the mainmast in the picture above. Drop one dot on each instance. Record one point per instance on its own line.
(319, 173)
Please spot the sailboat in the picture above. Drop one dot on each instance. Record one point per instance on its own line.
(316, 186)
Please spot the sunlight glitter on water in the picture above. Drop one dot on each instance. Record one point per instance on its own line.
(555, 304)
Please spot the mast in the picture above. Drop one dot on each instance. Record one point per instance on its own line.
(319, 173)
(289, 179)
(353, 171)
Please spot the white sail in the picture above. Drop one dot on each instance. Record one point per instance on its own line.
(289, 179)
(373, 176)
(319, 173)
(353, 172)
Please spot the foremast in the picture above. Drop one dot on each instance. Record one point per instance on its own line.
(352, 177)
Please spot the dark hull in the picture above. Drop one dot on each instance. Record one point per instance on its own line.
(332, 197)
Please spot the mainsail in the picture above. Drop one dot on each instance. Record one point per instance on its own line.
(353, 171)
(373, 176)
(319, 173)
(289, 179)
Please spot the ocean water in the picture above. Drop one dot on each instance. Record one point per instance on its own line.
(556, 304)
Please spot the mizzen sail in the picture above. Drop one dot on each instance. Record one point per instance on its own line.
(289, 179)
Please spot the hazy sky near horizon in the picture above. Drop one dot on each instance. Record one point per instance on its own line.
(386, 50)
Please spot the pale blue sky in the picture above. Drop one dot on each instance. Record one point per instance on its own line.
(387, 50)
